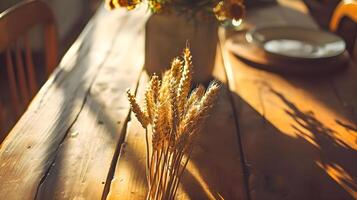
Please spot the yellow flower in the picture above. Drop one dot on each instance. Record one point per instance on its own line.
(155, 6)
(129, 4)
(232, 9)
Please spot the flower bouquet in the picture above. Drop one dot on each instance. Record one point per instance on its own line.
(173, 22)
(223, 9)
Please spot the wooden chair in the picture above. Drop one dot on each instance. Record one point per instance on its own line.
(15, 24)
(346, 9)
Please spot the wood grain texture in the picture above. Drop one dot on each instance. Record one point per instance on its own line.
(214, 171)
(295, 145)
(299, 139)
(129, 181)
(28, 152)
(84, 159)
(345, 86)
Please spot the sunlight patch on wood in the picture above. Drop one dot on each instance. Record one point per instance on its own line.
(338, 174)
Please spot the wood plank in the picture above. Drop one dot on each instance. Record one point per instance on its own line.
(84, 159)
(345, 86)
(294, 145)
(214, 171)
(129, 180)
(29, 150)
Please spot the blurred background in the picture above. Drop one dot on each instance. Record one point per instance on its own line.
(71, 17)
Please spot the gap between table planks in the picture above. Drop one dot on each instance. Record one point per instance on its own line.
(84, 158)
(214, 171)
(299, 134)
(51, 146)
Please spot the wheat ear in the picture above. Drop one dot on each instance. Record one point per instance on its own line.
(140, 115)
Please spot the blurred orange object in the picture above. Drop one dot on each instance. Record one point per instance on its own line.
(346, 9)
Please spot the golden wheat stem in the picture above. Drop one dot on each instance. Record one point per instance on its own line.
(165, 162)
(147, 157)
(173, 175)
(181, 173)
(178, 168)
(166, 171)
(156, 172)
(179, 158)
(154, 157)
(162, 168)
(169, 172)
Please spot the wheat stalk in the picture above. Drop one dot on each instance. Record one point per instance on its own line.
(175, 116)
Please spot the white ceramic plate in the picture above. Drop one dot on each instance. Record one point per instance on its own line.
(297, 43)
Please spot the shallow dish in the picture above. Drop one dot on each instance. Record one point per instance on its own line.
(249, 47)
(297, 43)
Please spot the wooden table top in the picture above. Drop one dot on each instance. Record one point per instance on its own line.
(269, 137)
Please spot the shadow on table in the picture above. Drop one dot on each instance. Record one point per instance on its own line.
(281, 166)
(313, 165)
(214, 171)
(60, 163)
(50, 183)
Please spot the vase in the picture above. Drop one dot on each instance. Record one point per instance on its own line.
(167, 35)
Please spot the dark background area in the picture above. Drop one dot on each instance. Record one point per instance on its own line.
(71, 17)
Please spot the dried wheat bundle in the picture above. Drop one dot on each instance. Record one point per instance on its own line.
(173, 116)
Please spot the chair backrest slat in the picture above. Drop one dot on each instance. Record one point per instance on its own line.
(15, 100)
(30, 67)
(51, 47)
(20, 71)
(18, 20)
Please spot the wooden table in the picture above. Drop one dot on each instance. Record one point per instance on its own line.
(269, 137)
